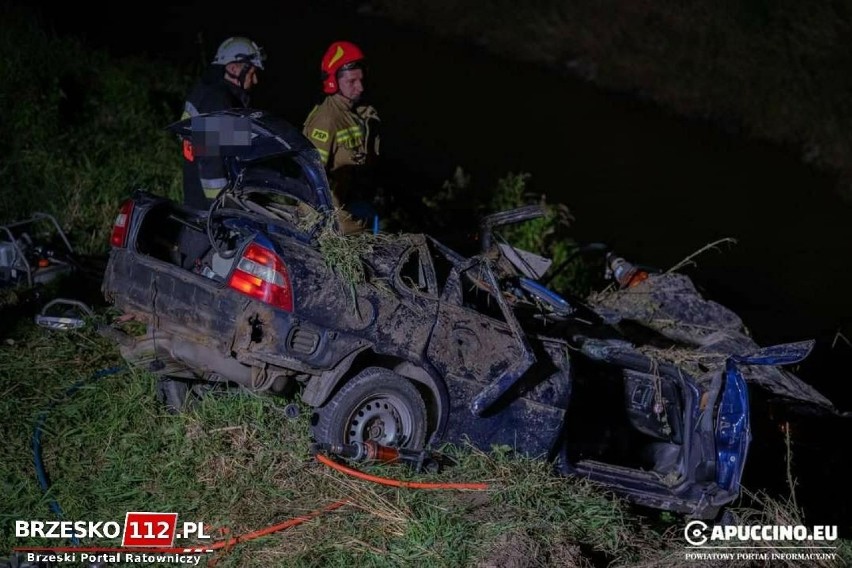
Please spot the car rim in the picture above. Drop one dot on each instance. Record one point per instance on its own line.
(385, 419)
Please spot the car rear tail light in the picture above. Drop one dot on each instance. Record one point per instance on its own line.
(261, 274)
(122, 225)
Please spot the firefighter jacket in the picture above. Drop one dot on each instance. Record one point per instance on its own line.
(205, 176)
(347, 141)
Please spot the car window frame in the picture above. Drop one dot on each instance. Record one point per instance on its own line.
(425, 265)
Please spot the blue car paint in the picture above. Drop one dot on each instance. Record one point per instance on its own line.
(559, 303)
(264, 241)
(733, 431)
(782, 354)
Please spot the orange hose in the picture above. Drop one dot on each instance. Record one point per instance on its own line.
(275, 528)
(396, 483)
(229, 543)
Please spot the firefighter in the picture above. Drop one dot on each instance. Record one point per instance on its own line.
(343, 129)
(224, 84)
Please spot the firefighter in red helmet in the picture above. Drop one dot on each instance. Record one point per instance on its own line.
(343, 129)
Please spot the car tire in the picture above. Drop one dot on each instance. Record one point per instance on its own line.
(376, 404)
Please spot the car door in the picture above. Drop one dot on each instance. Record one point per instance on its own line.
(476, 337)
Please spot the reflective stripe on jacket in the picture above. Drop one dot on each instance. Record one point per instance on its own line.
(205, 176)
(342, 136)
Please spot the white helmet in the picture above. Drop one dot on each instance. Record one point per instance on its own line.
(241, 50)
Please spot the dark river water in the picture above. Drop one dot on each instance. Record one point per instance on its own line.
(654, 187)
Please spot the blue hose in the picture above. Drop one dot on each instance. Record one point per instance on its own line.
(41, 474)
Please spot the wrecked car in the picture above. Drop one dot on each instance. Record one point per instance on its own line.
(402, 341)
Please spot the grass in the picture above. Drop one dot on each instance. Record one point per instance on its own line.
(236, 463)
(343, 253)
(91, 138)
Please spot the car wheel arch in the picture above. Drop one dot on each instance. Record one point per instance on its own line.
(437, 405)
(376, 404)
(322, 388)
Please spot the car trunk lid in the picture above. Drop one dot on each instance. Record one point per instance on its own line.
(252, 143)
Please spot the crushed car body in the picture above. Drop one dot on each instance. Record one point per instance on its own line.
(418, 345)
(677, 318)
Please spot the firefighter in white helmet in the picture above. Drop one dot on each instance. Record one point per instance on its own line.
(224, 84)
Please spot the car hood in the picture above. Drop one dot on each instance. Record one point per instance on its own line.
(671, 305)
(250, 140)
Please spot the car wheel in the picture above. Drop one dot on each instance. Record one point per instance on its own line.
(377, 404)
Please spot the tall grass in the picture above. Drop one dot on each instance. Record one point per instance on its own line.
(236, 462)
(81, 130)
(778, 71)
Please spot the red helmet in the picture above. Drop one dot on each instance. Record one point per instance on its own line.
(339, 56)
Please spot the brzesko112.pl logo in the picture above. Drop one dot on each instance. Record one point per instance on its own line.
(143, 534)
(141, 529)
